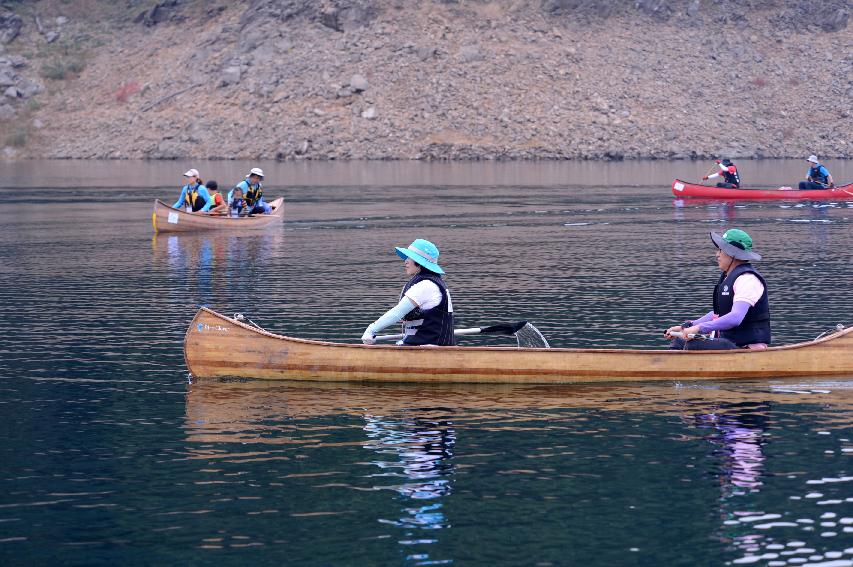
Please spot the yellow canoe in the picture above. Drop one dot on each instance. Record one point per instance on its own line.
(168, 219)
(219, 346)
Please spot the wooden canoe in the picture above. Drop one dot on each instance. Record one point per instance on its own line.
(683, 189)
(218, 346)
(168, 219)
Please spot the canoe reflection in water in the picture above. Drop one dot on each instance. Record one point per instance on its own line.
(418, 451)
(423, 458)
(206, 266)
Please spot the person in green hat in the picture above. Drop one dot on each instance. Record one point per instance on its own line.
(425, 307)
(741, 314)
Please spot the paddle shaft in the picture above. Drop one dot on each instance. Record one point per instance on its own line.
(471, 331)
(679, 334)
(499, 329)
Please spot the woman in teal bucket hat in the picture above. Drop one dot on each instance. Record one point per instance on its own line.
(741, 314)
(425, 307)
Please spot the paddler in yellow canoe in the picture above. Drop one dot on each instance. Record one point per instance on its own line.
(425, 307)
(741, 314)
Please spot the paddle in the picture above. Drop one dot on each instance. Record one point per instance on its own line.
(690, 336)
(502, 329)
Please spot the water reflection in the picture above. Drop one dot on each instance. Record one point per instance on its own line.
(415, 436)
(418, 451)
(209, 267)
(715, 209)
(737, 433)
(422, 447)
(818, 215)
(223, 402)
(770, 531)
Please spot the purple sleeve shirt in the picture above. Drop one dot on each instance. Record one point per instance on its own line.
(728, 321)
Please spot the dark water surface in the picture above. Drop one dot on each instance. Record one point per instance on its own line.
(109, 456)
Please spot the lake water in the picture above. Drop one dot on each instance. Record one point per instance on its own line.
(110, 456)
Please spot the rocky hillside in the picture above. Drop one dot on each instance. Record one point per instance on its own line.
(425, 79)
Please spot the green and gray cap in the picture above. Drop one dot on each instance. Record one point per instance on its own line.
(736, 243)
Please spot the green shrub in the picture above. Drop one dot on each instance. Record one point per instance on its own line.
(60, 68)
(54, 69)
(17, 139)
(63, 60)
(76, 65)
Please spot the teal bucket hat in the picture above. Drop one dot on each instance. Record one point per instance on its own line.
(422, 252)
(736, 243)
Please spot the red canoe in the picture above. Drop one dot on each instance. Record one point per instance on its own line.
(683, 189)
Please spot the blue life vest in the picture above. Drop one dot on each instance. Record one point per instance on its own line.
(236, 206)
(193, 199)
(431, 326)
(755, 327)
(816, 174)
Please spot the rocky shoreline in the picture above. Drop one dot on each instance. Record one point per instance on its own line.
(440, 80)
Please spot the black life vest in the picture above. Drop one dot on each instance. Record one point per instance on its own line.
(431, 326)
(755, 327)
(732, 177)
(193, 199)
(815, 174)
(253, 194)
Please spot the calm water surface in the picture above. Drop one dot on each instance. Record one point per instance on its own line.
(109, 455)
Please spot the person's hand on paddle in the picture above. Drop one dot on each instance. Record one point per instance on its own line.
(369, 336)
(684, 331)
(689, 332)
(668, 333)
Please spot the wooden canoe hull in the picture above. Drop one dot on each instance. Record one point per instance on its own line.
(218, 346)
(167, 219)
(683, 189)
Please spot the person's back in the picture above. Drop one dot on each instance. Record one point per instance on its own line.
(217, 206)
(729, 173)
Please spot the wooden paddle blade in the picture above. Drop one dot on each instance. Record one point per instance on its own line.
(505, 328)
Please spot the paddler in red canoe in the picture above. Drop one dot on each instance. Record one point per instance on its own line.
(741, 314)
(817, 177)
(728, 171)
